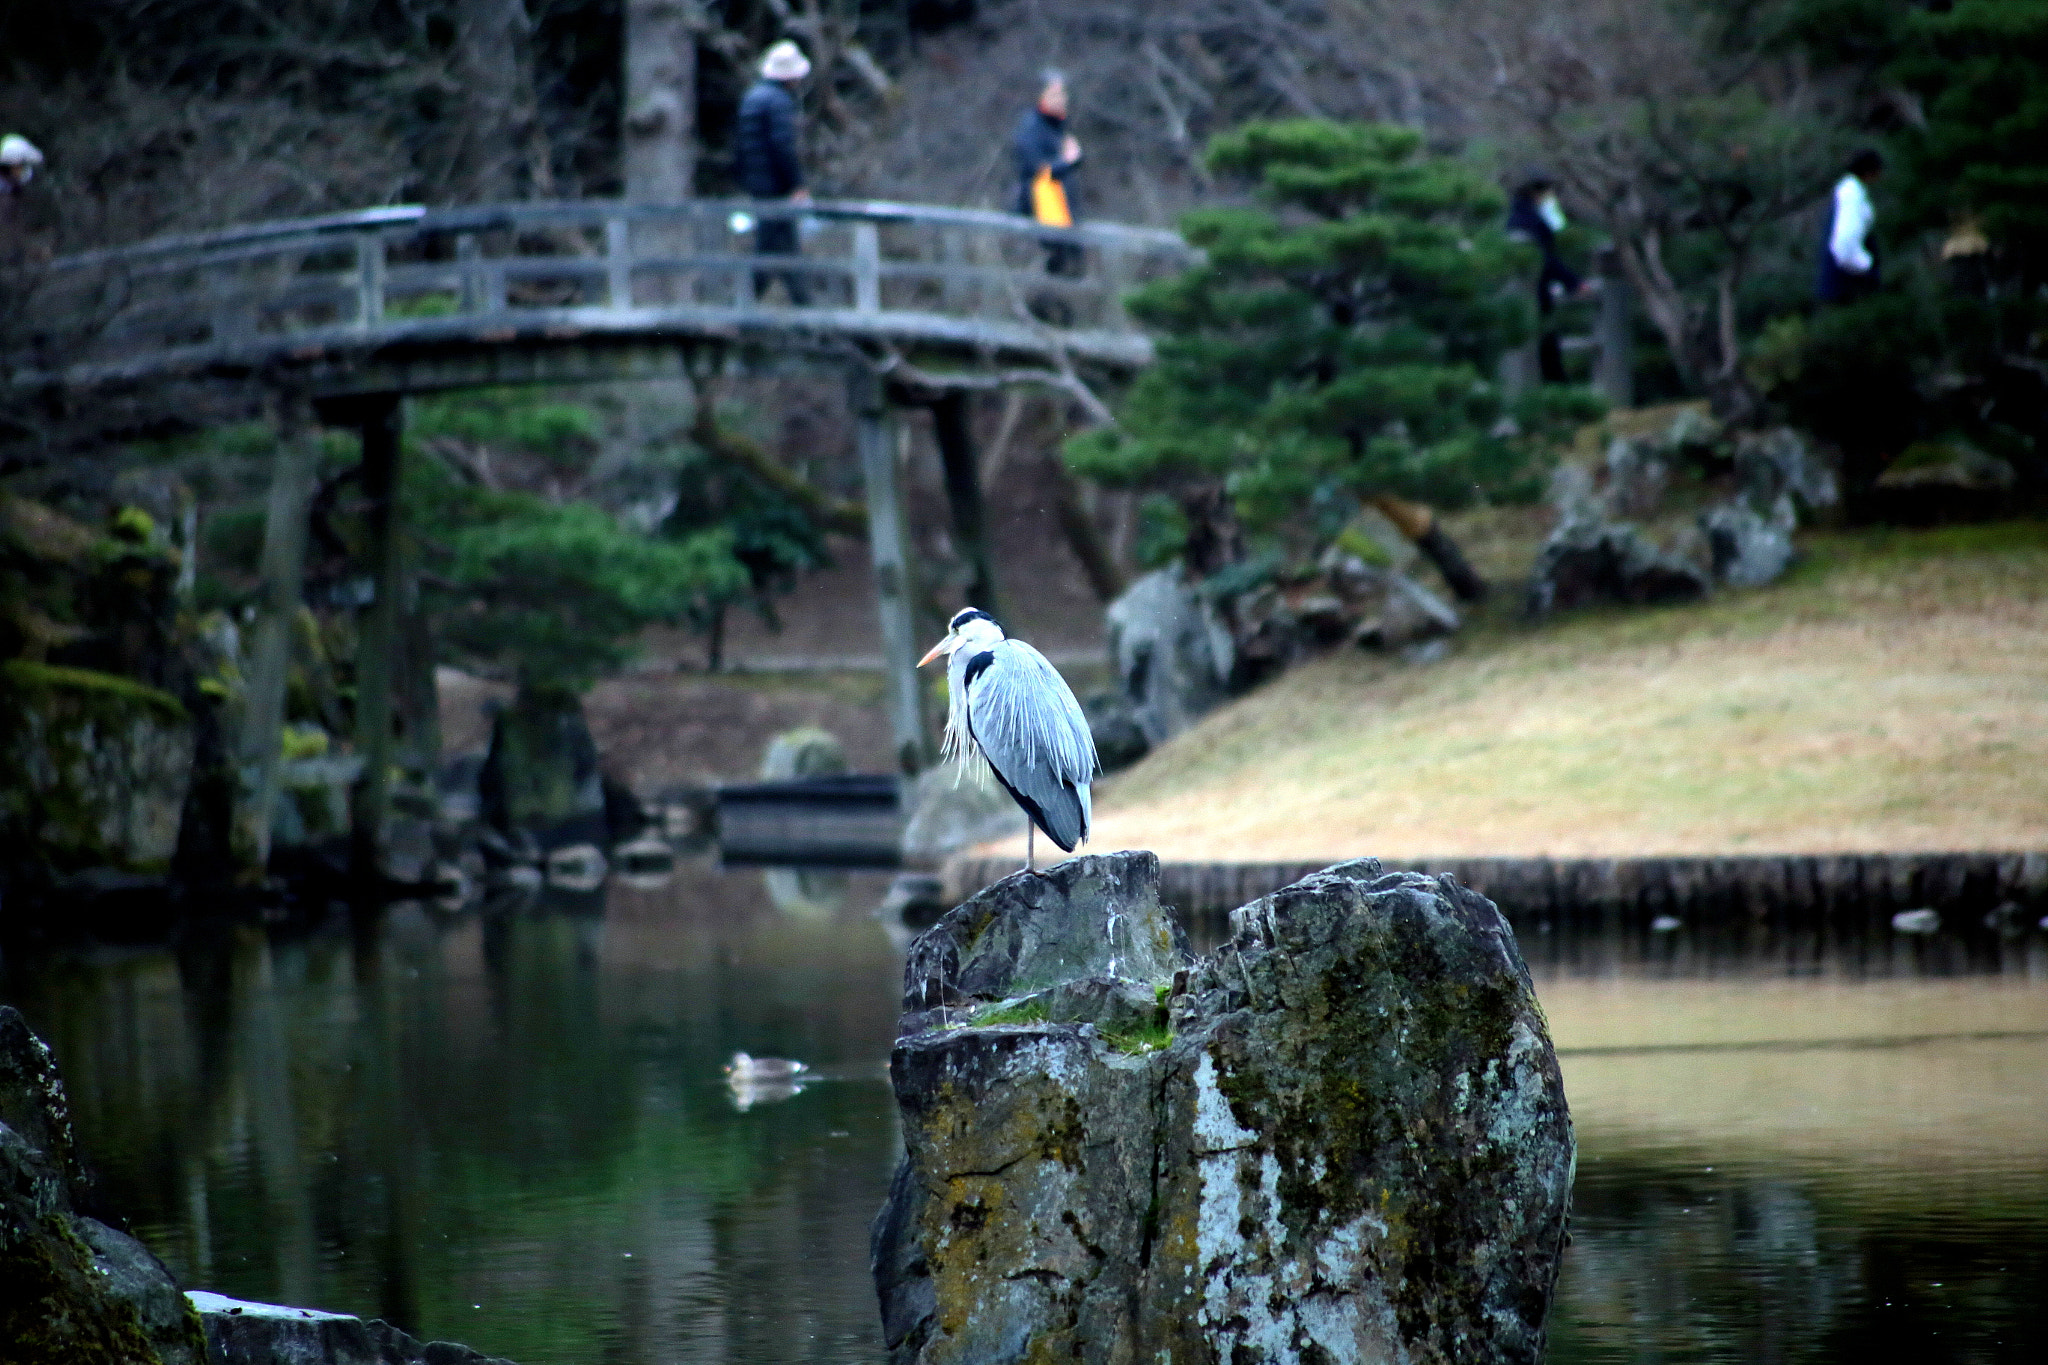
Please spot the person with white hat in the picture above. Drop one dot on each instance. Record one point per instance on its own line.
(18, 161)
(766, 153)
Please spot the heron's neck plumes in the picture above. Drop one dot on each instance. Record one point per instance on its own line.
(976, 637)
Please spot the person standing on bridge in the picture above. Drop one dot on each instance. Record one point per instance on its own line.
(769, 164)
(1047, 156)
(18, 161)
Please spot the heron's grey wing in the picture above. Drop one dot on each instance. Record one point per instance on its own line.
(1031, 730)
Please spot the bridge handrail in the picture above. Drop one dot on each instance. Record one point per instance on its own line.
(403, 279)
(418, 218)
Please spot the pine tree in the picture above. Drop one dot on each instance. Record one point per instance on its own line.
(1338, 341)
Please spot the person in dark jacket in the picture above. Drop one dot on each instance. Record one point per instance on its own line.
(1044, 148)
(1535, 216)
(769, 168)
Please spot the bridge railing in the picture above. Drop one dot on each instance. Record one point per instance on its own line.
(367, 275)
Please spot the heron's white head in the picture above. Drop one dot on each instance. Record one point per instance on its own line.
(970, 627)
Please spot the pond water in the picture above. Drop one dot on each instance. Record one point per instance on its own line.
(511, 1128)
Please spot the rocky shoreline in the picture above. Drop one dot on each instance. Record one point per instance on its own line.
(73, 1289)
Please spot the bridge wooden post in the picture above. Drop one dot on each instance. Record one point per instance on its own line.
(955, 439)
(369, 279)
(382, 418)
(618, 262)
(874, 436)
(867, 268)
(284, 574)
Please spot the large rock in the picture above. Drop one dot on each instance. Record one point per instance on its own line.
(952, 807)
(1341, 1138)
(801, 753)
(1174, 655)
(243, 1333)
(73, 1291)
(93, 768)
(1586, 561)
(541, 774)
(1749, 548)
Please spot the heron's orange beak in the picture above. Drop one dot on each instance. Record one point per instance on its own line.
(935, 651)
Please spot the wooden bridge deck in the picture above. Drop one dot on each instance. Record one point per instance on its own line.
(405, 299)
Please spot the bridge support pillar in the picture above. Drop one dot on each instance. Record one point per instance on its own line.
(284, 573)
(875, 437)
(950, 414)
(377, 650)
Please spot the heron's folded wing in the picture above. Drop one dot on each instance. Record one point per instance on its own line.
(1032, 731)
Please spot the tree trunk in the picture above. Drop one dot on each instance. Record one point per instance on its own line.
(661, 100)
(1215, 540)
(1705, 348)
(501, 149)
(1084, 538)
(1422, 528)
(955, 440)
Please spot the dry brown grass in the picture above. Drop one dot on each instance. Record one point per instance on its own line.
(1890, 694)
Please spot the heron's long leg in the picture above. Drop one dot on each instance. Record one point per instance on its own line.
(1030, 845)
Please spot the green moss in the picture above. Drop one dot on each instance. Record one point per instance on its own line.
(1030, 1010)
(33, 679)
(1149, 1037)
(53, 1310)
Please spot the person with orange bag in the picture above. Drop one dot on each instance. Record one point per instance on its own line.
(1046, 157)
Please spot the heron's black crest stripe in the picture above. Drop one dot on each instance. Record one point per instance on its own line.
(961, 618)
(976, 666)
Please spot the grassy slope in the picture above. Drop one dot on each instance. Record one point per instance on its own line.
(1891, 693)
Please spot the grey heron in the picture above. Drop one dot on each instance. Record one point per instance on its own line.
(1007, 704)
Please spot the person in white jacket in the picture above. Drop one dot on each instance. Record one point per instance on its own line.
(1848, 270)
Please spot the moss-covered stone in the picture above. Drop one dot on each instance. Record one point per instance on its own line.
(94, 767)
(1341, 1138)
(72, 1290)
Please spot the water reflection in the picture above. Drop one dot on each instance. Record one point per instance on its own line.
(515, 1127)
(512, 1128)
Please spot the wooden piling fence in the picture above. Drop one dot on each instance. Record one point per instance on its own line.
(1788, 890)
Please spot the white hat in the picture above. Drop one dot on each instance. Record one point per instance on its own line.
(16, 150)
(785, 62)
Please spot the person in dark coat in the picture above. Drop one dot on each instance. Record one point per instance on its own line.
(1535, 216)
(1043, 145)
(769, 168)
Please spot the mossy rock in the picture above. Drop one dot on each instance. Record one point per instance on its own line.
(1341, 1137)
(72, 1290)
(93, 767)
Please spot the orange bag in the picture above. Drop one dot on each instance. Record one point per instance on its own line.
(1049, 200)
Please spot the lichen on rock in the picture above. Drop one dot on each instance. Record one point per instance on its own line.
(1346, 1140)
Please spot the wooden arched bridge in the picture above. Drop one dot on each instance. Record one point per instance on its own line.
(339, 318)
(408, 300)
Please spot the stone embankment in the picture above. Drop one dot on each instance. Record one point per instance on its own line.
(1804, 891)
(73, 1290)
(1342, 1137)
